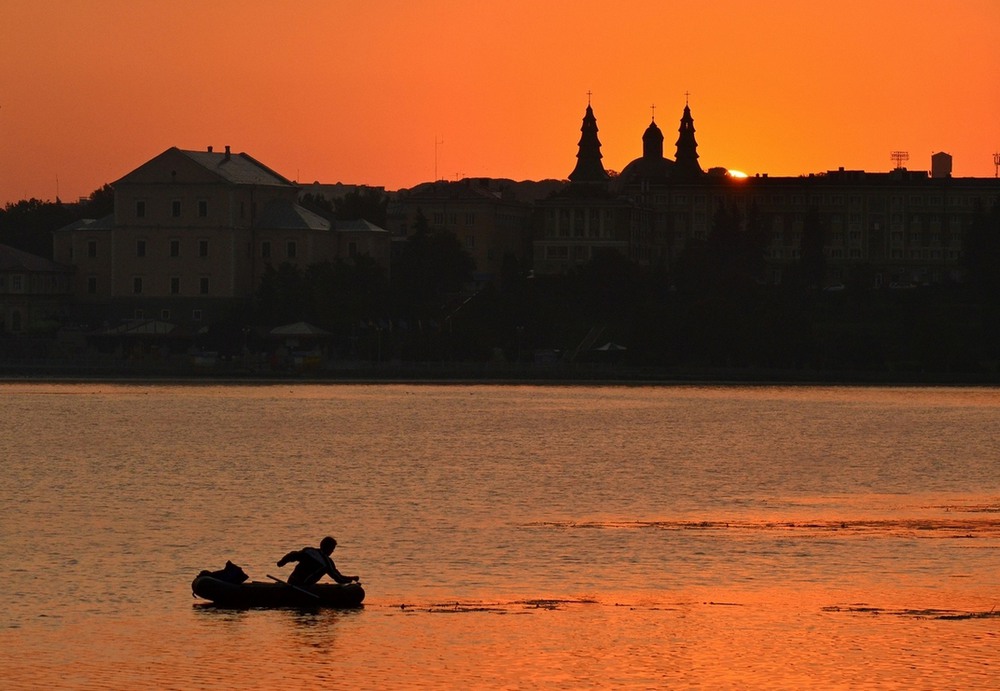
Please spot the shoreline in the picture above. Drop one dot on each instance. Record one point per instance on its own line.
(469, 375)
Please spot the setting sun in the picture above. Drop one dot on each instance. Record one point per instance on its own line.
(394, 94)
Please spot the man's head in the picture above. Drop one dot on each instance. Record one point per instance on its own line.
(327, 545)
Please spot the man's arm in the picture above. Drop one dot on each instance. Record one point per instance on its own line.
(291, 556)
(332, 571)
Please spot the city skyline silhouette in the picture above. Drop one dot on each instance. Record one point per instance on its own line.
(394, 95)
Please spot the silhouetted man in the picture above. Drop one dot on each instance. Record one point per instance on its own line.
(314, 563)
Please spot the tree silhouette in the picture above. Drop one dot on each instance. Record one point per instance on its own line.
(982, 250)
(283, 296)
(368, 204)
(431, 265)
(812, 261)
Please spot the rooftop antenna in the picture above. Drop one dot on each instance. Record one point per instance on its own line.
(436, 143)
(996, 165)
(899, 157)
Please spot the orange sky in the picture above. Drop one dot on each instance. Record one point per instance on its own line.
(359, 92)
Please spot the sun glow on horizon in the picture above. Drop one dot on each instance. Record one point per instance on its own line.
(737, 174)
(76, 114)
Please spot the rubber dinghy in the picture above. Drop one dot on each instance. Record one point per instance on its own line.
(257, 594)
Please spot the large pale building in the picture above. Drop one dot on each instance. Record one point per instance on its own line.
(191, 235)
(33, 292)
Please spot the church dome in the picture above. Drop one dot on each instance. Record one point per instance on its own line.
(652, 141)
(651, 166)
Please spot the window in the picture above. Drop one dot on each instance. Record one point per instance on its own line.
(137, 285)
(91, 285)
(175, 208)
(470, 242)
(196, 315)
(175, 285)
(202, 208)
(140, 248)
(140, 208)
(203, 248)
(470, 218)
(165, 315)
(17, 283)
(291, 250)
(203, 285)
(352, 249)
(175, 248)
(92, 249)
(139, 314)
(265, 249)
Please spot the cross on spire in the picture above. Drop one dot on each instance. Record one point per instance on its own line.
(687, 95)
(653, 108)
(588, 96)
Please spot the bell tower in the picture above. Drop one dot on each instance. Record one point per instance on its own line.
(687, 146)
(588, 159)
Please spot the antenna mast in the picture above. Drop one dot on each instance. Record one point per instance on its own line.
(899, 157)
(436, 142)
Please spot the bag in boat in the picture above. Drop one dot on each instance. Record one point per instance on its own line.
(231, 573)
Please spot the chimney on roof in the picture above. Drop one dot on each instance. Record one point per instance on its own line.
(227, 152)
(209, 149)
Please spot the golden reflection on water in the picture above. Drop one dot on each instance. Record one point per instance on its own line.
(508, 537)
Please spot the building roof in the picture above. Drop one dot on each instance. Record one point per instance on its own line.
(236, 169)
(648, 169)
(13, 259)
(358, 226)
(239, 169)
(286, 215)
(104, 223)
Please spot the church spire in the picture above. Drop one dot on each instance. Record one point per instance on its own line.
(687, 147)
(652, 142)
(588, 161)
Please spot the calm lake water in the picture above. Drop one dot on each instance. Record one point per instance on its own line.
(507, 536)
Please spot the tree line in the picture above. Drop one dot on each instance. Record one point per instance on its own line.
(711, 309)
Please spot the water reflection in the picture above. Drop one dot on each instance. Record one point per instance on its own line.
(518, 537)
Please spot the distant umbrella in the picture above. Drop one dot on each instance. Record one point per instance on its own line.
(299, 329)
(149, 327)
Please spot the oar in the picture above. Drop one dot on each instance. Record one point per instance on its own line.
(301, 590)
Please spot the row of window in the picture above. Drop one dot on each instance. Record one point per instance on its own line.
(291, 249)
(16, 282)
(175, 248)
(165, 314)
(824, 200)
(138, 285)
(266, 251)
(175, 208)
(438, 218)
(33, 283)
(142, 248)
